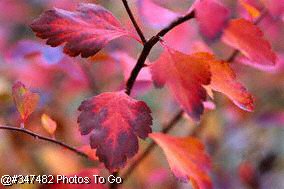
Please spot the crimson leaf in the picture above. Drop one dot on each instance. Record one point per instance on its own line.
(84, 32)
(114, 121)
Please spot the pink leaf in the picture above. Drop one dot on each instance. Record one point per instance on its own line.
(154, 14)
(212, 18)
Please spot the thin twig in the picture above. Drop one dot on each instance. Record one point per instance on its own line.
(38, 136)
(151, 146)
(232, 57)
(137, 28)
(134, 73)
(176, 22)
(148, 47)
(176, 118)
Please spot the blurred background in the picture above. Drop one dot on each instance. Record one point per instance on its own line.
(247, 149)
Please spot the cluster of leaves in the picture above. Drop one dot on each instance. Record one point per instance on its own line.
(114, 120)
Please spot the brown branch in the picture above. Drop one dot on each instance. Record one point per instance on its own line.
(151, 146)
(137, 28)
(140, 63)
(232, 57)
(51, 140)
(148, 47)
(176, 22)
(178, 116)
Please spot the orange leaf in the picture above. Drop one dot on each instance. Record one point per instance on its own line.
(48, 124)
(251, 10)
(248, 38)
(25, 100)
(187, 158)
(223, 80)
(184, 75)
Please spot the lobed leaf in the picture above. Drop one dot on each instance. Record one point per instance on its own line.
(114, 120)
(25, 100)
(84, 32)
(187, 159)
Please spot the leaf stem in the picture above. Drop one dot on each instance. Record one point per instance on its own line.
(148, 47)
(51, 140)
(137, 28)
(151, 146)
(178, 116)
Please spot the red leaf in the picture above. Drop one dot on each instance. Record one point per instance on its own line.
(212, 17)
(161, 17)
(187, 158)
(248, 38)
(184, 75)
(224, 80)
(84, 32)
(25, 100)
(114, 121)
